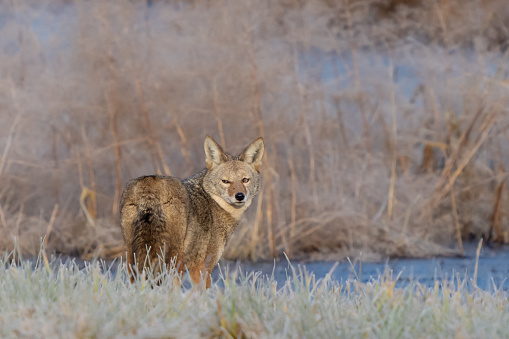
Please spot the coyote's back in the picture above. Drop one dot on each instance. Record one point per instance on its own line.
(192, 219)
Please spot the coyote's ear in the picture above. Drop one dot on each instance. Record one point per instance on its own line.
(214, 154)
(253, 154)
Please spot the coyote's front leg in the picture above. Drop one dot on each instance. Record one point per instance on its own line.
(196, 272)
(206, 265)
(214, 252)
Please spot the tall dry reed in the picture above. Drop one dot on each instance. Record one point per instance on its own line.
(385, 122)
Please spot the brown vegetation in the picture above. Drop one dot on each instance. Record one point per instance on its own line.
(385, 122)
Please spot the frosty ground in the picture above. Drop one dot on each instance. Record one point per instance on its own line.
(55, 300)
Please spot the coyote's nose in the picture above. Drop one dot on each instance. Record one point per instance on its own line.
(239, 196)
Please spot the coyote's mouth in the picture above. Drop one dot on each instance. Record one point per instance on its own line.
(238, 203)
(235, 203)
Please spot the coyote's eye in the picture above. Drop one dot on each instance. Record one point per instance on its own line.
(245, 180)
(225, 181)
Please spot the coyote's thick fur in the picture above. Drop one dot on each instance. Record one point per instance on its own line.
(190, 219)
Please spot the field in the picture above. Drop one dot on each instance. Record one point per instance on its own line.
(48, 299)
(386, 131)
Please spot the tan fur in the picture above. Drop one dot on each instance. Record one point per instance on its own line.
(190, 219)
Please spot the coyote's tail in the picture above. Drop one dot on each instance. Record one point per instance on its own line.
(147, 226)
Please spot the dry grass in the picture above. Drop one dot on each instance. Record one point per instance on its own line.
(385, 122)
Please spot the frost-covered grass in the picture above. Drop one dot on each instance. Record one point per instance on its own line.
(54, 299)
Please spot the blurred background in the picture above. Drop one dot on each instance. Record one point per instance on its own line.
(385, 121)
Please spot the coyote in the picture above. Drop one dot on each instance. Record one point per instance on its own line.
(191, 219)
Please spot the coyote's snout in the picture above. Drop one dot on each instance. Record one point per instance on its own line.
(190, 219)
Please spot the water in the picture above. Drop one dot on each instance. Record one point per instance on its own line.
(493, 269)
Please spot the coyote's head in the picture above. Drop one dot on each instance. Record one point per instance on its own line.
(233, 181)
